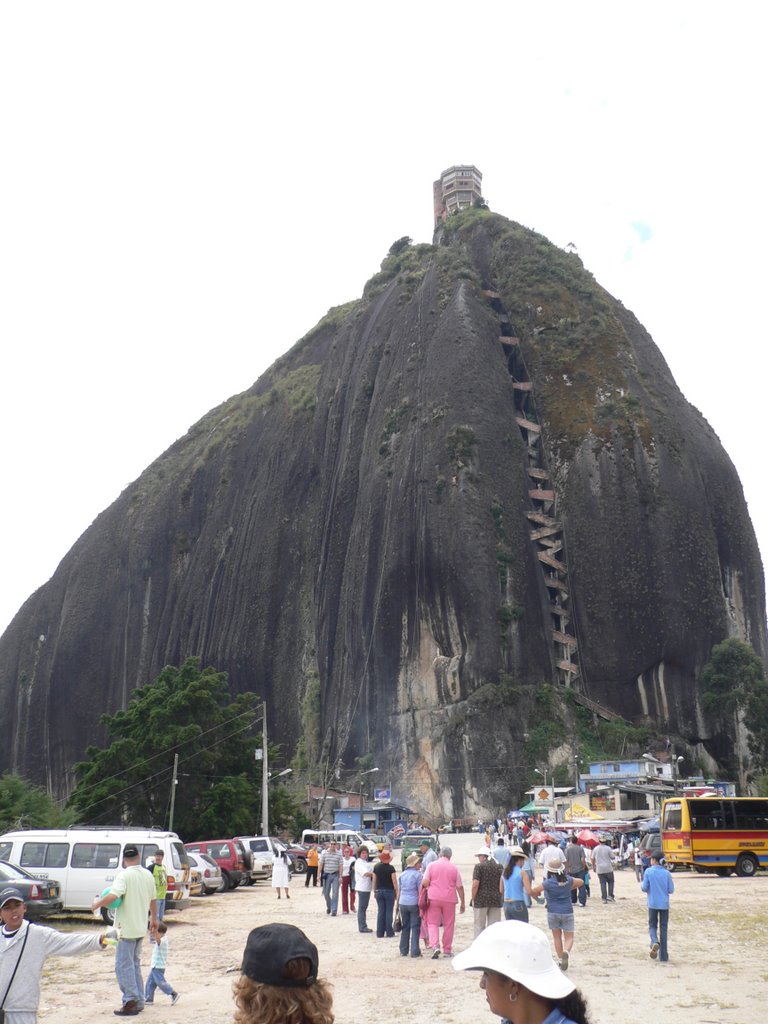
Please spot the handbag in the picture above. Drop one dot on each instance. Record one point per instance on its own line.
(21, 954)
(398, 922)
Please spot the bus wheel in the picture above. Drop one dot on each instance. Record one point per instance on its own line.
(746, 865)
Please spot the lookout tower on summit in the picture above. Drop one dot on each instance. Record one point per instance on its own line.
(456, 189)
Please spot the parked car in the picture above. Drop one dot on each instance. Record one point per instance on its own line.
(298, 855)
(42, 897)
(380, 841)
(229, 854)
(210, 872)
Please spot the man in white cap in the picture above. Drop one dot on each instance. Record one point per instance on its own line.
(486, 890)
(24, 948)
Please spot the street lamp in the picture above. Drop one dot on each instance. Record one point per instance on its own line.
(285, 771)
(368, 772)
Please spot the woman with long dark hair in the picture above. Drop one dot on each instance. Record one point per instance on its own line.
(520, 981)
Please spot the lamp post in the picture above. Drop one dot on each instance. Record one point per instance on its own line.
(368, 772)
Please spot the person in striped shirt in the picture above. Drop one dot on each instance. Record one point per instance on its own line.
(331, 861)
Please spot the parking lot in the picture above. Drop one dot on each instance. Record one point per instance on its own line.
(716, 973)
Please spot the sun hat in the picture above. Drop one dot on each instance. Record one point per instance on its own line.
(555, 864)
(8, 894)
(483, 852)
(268, 950)
(385, 856)
(518, 951)
(412, 860)
(516, 851)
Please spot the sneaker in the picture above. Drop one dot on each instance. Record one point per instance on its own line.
(564, 961)
(175, 998)
(654, 951)
(436, 954)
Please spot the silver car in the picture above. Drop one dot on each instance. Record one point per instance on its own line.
(210, 872)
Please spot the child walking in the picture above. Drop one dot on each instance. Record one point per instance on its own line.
(156, 977)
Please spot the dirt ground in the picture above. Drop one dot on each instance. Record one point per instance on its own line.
(717, 971)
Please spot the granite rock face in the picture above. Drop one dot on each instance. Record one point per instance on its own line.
(353, 528)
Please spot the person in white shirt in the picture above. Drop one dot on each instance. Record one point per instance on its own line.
(363, 883)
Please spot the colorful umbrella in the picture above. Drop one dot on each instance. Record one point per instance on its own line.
(537, 837)
(587, 838)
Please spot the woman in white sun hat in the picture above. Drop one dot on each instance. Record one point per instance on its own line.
(521, 982)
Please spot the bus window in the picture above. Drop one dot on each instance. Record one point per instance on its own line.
(751, 814)
(32, 855)
(44, 855)
(96, 855)
(673, 817)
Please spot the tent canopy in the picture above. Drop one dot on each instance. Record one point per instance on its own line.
(533, 808)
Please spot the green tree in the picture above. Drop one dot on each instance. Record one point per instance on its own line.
(735, 689)
(399, 245)
(185, 711)
(23, 805)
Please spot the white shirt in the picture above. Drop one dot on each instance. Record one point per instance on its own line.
(363, 867)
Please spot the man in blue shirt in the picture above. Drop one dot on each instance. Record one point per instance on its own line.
(657, 882)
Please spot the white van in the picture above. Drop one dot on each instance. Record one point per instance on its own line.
(85, 860)
(347, 836)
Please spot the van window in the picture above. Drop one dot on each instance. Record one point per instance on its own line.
(179, 857)
(96, 855)
(259, 845)
(44, 855)
(220, 850)
(5, 850)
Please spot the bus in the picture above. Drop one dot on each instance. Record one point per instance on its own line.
(714, 833)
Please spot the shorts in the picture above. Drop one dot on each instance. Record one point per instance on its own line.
(560, 922)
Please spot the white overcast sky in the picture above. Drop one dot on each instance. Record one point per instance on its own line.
(186, 188)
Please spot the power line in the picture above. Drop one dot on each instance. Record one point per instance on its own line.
(164, 753)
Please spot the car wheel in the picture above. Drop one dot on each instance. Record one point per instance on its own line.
(746, 866)
(108, 915)
(299, 866)
(228, 883)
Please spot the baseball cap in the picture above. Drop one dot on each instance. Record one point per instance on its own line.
(268, 950)
(9, 893)
(131, 850)
(518, 951)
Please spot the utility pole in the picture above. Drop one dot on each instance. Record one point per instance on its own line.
(264, 776)
(174, 784)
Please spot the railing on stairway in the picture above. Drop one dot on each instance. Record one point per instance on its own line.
(546, 529)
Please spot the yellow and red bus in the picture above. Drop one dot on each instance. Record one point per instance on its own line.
(713, 833)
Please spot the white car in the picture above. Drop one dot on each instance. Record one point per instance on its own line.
(210, 872)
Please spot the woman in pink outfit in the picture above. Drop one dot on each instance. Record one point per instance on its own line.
(444, 890)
